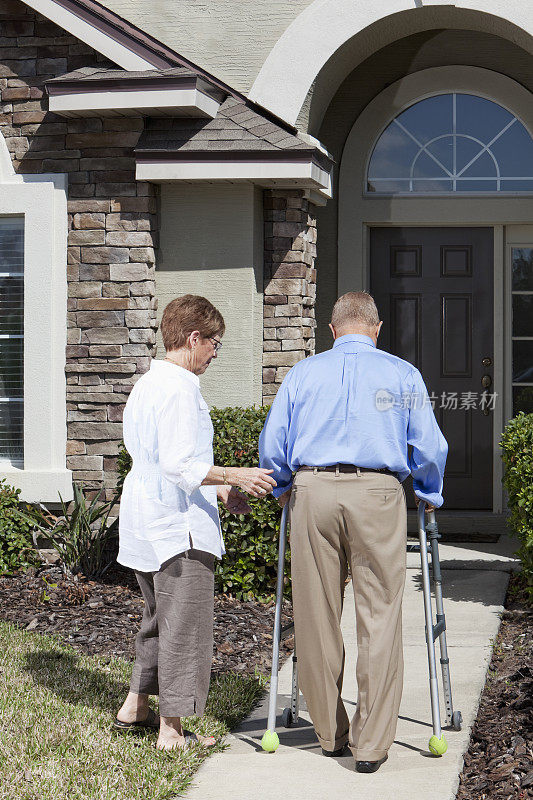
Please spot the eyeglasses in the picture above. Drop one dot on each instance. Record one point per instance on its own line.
(217, 344)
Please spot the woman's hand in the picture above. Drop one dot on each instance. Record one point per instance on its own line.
(234, 500)
(254, 480)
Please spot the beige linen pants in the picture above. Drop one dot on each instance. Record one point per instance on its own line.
(358, 519)
(174, 647)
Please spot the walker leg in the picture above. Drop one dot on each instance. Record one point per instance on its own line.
(291, 713)
(437, 743)
(295, 695)
(452, 718)
(270, 740)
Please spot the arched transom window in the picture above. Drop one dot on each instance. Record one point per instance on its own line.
(452, 143)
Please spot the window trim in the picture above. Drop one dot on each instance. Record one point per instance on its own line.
(517, 338)
(427, 96)
(42, 201)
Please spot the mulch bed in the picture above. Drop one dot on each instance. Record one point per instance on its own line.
(499, 761)
(102, 617)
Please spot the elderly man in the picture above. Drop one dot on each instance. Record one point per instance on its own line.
(342, 421)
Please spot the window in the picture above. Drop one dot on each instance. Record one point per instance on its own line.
(452, 143)
(33, 328)
(522, 292)
(11, 338)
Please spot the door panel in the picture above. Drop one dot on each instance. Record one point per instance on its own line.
(434, 291)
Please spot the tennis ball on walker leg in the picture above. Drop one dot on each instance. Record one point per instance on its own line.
(438, 746)
(270, 741)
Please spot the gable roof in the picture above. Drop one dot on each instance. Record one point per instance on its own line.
(101, 74)
(178, 91)
(238, 126)
(238, 145)
(234, 124)
(155, 81)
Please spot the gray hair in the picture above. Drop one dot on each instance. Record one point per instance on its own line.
(356, 308)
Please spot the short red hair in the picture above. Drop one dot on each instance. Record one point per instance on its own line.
(186, 314)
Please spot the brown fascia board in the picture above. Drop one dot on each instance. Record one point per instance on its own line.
(142, 43)
(124, 84)
(284, 156)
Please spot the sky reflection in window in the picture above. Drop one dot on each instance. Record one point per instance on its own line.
(452, 143)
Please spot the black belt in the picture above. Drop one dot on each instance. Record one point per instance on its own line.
(349, 468)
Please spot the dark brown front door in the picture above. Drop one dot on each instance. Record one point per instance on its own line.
(434, 291)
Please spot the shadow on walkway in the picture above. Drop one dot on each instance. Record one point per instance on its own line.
(474, 584)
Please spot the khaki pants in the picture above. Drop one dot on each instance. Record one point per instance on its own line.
(174, 647)
(358, 519)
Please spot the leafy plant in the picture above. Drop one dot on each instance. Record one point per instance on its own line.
(82, 535)
(517, 454)
(45, 597)
(123, 467)
(248, 570)
(17, 521)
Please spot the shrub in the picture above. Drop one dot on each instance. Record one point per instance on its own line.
(248, 570)
(17, 521)
(82, 535)
(250, 565)
(517, 454)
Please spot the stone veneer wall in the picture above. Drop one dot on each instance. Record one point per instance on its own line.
(112, 225)
(289, 285)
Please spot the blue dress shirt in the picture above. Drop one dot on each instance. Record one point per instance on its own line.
(355, 404)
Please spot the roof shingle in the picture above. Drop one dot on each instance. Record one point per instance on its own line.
(236, 127)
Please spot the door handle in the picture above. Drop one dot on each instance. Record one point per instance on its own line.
(486, 382)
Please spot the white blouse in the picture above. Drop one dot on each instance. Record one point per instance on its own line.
(169, 434)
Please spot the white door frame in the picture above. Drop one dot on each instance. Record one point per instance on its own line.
(359, 211)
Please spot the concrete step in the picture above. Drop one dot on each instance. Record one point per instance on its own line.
(462, 526)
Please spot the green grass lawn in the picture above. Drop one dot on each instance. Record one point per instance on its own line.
(56, 709)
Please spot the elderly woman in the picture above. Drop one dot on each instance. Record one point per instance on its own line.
(169, 526)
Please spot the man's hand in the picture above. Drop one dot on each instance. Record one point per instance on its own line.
(234, 500)
(284, 498)
(428, 506)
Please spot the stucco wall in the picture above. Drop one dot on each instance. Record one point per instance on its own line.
(212, 245)
(229, 38)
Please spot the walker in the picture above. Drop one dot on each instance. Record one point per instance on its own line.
(437, 743)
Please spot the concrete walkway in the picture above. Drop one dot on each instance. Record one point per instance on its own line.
(475, 579)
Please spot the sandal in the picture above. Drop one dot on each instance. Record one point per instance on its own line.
(151, 722)
(191, 739)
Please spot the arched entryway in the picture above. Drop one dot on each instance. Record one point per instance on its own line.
(435, 223)
(329, 38)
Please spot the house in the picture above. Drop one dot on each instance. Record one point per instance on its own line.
(270, 156)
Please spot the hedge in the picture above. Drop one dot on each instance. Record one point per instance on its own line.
(517, 454)
(248, 570)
